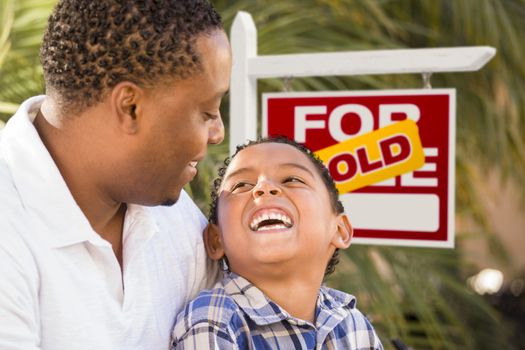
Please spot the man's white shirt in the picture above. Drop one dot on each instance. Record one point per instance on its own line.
(61, 286)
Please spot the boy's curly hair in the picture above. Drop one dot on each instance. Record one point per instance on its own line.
(91, 46)
(333, 193)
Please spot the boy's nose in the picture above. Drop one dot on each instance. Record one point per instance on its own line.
(266, 187)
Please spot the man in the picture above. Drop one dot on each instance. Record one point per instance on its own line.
(99, 244)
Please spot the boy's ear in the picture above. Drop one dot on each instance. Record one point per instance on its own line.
(212, 242)
(343, 236)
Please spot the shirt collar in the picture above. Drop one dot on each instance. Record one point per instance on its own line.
(139, 227)
(332, 305)
(42, 189)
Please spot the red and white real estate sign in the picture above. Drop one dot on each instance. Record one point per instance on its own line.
(411, 206)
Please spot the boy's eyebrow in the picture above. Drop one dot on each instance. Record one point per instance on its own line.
(237, 172)
(297, 165)
(248, 169)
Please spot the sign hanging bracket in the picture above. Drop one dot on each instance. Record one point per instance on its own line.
(426, 80)
(287, 83)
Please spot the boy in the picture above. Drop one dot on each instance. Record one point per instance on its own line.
(276, 224)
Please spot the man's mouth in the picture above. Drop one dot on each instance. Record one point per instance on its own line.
(270, 220)
(193, 164)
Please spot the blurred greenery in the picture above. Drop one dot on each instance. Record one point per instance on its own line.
(417, 295)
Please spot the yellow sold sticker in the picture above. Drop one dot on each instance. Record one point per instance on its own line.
(374, 157)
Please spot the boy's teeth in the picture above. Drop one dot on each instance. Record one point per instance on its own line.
(285, 221)
(272, 227)
(193, 164)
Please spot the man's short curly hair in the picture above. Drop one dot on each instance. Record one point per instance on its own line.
(323, 172)
(91, 46)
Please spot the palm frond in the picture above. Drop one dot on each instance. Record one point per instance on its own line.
(21, 31)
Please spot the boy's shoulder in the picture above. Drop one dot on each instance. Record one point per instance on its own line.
(211, 306)
(212, 313)
(232, 304)
(336, 298)
(343, 305)
(338, 309)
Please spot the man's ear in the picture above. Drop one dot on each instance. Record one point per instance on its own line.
(125, 99)
(343, 237)
(212, 242)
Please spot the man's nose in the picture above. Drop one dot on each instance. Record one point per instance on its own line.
(216, 132)
(266, 187)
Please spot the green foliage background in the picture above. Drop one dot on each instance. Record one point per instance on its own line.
(417, 295)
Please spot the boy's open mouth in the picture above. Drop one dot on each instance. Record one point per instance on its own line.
(270, 220)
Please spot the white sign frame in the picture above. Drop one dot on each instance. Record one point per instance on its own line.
(248, 66)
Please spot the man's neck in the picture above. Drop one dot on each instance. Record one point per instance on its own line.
(65, 145)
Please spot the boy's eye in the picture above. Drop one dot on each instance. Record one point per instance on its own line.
(293, 179)
(241, 186)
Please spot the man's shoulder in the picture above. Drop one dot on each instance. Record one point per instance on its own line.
(12, 212)
(9, 197)
(181, 225)
(14, 251)
(7, 187)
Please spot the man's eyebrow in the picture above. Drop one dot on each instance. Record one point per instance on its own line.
(222, 94)
(218, 96)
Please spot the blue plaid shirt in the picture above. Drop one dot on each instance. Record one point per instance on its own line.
(237, 315)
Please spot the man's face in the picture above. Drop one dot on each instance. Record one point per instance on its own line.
(274, 211)
(179, 121)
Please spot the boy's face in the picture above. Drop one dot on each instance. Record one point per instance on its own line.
(274, 212)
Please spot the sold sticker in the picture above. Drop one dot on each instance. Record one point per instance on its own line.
(374, 157)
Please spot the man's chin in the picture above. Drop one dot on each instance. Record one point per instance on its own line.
(169, 202)
(169, 199)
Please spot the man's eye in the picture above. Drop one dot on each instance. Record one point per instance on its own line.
(210, 116)
(293, 179)
(241, 186)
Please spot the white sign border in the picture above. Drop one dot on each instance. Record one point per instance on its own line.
(449, 242)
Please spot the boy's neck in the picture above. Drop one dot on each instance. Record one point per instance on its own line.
(297, 295)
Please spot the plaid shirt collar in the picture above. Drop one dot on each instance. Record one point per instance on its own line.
(332, 305)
